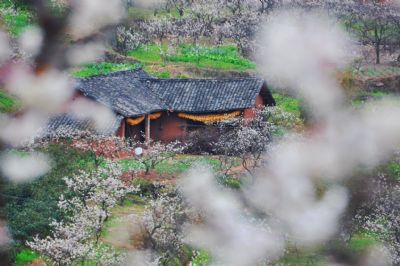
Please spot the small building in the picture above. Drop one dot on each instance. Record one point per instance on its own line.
(169, 109)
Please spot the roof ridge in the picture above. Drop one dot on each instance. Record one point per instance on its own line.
(200, 79)
(115, 73)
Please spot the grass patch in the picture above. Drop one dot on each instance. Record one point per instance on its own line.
(287, 103)
(7, 103)
(161, 74)
(16, 20)
(361, 241)
(230, 182)
(177, 165)
(183, 163)
(131, 165)
(223, 57)
(378, 71)
(148, 53)
(201, 258)
(306, 257)
(393, 171)
(302, 260)
(103, 68)
(25, 256)
(366, 96)
(140, 13)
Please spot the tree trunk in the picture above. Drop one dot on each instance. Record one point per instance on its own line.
(377, 46)
(378, 53)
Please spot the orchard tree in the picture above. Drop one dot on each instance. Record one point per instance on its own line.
(130, 38)
(159, 152)
(374, 22)
(248, 140)
(379, 215)
(179, 5)
(76, 239)
(269, 5)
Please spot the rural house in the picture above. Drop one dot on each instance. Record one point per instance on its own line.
(168, 109)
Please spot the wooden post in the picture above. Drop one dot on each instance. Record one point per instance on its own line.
(121, 130)
(147, 130)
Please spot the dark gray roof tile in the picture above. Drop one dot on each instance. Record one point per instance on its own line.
(124, 92)
(206, 95)
(134, 93)
(66, 124)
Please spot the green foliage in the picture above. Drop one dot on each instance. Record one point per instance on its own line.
(146, 187)
(140, 13)
(176, 166)
(147, 53)
(378, 71)
(282, 120)
(15, 16)
(301, 259)
(162, 75)
(361, 241)
(230, 182)
(103, 68)
(131, 165)
(366, 96)
(223, 57)
(287, 103)
(393, 171)
(7, 103)
(25, 256)
(31, 206)
(201, 258)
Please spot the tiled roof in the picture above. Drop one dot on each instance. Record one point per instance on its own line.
(134, 93)
(123, 92)
(207, 95)
(69, 125)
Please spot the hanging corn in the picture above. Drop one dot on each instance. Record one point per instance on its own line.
(210, 118)
(135, 121)
(155, 116)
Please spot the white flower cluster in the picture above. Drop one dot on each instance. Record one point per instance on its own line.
(163, 221)
(214, 19)
(379, 215)
(249, 140)
(77, 238)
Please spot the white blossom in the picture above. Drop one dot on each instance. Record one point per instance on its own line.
(24, 167)
(77, 238)
(30, 41)
(91, 15)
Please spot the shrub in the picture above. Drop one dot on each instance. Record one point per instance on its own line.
(393, 170)
(200, 258)
(202, 140)
(146, 188)
(25, 256)
(7, 103)
(230, 182)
